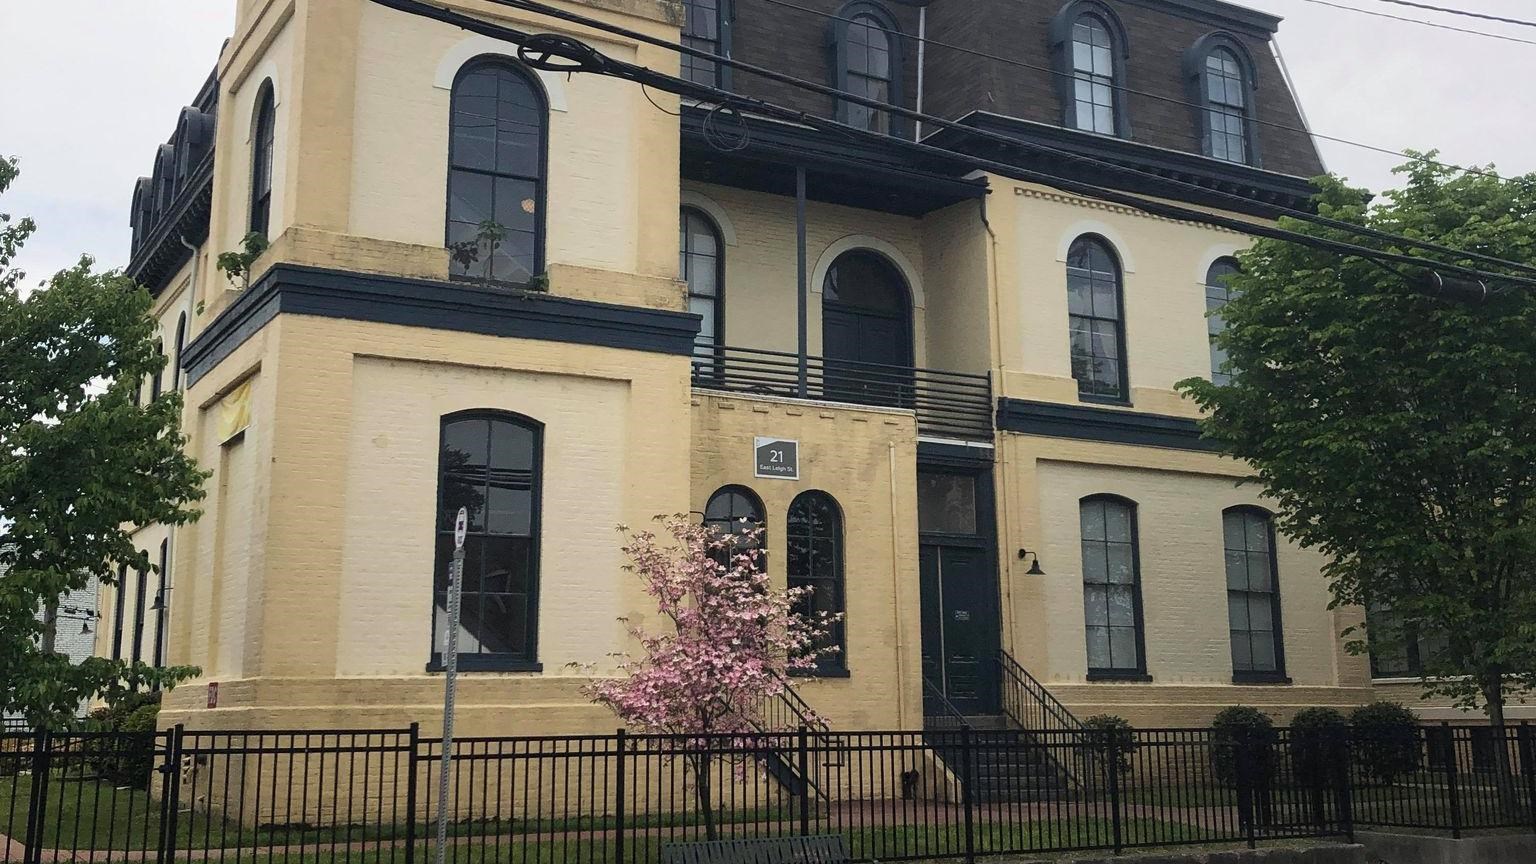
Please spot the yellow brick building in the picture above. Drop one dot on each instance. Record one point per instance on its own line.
(994, 477)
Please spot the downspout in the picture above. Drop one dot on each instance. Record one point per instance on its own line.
(901, 643)
(922, 57)
(802, 314)
(1000, 453)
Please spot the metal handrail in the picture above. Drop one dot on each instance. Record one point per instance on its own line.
(1050, 708)
(931, 690)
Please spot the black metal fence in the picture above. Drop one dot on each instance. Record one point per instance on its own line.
(359, 795)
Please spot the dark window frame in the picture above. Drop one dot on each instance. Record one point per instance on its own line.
(1061, 45)
(121, 611)
(497, 662)
(181, 344)
(837, 45)
(1214, 303)
(161, 603)
(1256, 676)
(157, 381)
(1111, 673)
(540, 182)
(1123, 362)
(752, 498)
(263, 145)
(835, 666)
(140, 592)
(725, 21)
(1195, 74)
(714, 352)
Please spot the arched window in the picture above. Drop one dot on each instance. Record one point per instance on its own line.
(181, 343)
(263, 140)
(814, 560)
(1089, 51)
(1111, 588)
(866, 330)
(1217, 292)
(867, 61)
(490, 463)
(1253, 594)
(1097, 312)
(702, 265)
(497, 152)
(156, 382)
(735, 510)
(1221, 77)
(706, 27)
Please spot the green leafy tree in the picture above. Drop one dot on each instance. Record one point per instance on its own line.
(81, 462)
(1396, 431)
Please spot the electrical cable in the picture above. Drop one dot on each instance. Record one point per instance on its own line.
(1122, 88)
(1464, 12)
(999, 138)
(1434, 24)
(539, 50)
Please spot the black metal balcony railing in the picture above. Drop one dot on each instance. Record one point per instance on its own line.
(948, 404)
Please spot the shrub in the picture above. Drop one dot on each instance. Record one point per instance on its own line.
(126, 758)
(1242, 734)
(1317, 744)
(1386, 741)
(1108, 732)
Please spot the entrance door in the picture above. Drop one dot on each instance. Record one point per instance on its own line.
(866, 331)
(960, 626)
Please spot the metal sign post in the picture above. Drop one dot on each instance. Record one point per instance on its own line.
(450, 677)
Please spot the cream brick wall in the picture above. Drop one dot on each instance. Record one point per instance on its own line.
(865, 459)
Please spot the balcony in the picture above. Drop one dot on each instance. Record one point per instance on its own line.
(948, 404)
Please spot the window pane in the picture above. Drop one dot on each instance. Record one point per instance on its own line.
(1122, 606)
(946, 503)
(1237, 610)
(1237, 570)
(1258, 572)
(1098, 648)
(1123, 648)
(1264, 653)
(470, 198)
(1122, 566)
(1117, 522)
(507, 565)
(1092, 520)
(1095, 567)
(1260, 612)
(1242, 653)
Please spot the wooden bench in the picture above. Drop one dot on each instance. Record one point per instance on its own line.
(808, 849)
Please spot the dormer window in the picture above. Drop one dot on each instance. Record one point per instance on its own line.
(867, 59)
(1089, 51)
(1222, 80)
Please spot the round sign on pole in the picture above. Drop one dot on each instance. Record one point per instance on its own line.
(460, 527)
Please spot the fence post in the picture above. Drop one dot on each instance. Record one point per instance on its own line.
(1245, 770)
(1344, 759)
(410, 793)
(1528, 768)
(42, 743)
(170, 793)
(1113, 765)
(967, 800)
(618, 791)
(1451, 768)
(803, 760)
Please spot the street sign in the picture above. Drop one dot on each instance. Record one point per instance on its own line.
(460, 527)
(450, 676)
(777, 458)
(213, 694)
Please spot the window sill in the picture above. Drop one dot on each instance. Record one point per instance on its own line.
(1111, 675)
(487, 664)
(819, 673)
(1260, 678)
(1104, 400)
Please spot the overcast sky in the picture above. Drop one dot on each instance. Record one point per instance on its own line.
(89, 88)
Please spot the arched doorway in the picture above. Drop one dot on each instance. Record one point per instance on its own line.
(866, 330)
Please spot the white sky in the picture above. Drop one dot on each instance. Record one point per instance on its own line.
(89, 89)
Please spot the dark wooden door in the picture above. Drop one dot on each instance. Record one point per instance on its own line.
(868, 356)
(960, 625)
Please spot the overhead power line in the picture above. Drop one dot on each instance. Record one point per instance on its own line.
(1121, 88)
(566, 54)
(1464, 12)
(999, 138)
(1421, 21)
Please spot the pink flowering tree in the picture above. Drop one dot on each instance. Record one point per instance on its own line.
(733, 641)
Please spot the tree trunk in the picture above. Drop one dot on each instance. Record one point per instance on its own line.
(702, 783)
(1493, 694)
(50, 626)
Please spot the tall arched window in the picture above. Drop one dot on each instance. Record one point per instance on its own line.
(263, 140)
(1221, 78)
(702, 265)
(497, 152)
(1253, 594)
(735, 510)
(1217, 292)
(1093, 73)
(181, 343)
(706, 27)
(1111, 588)
(814, 560)
(490, 463)
(157, 381)
(866, 330)
(867, 61)
(1096, 309)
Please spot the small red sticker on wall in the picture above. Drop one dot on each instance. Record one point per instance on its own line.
(213, 694)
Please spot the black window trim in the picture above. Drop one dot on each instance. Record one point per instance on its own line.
(1195, 75)
(120, 612)
(161, 602)
(263, 144)
(1139, 673)
(837, 45)
(181, 345)
(1060, 34)
(1124, 361)
(719, 346)
(1218, 376)
(541, 198)
(725, 27)
(140, 592)
(495, 662)
(1278, 676)
(835, 666)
